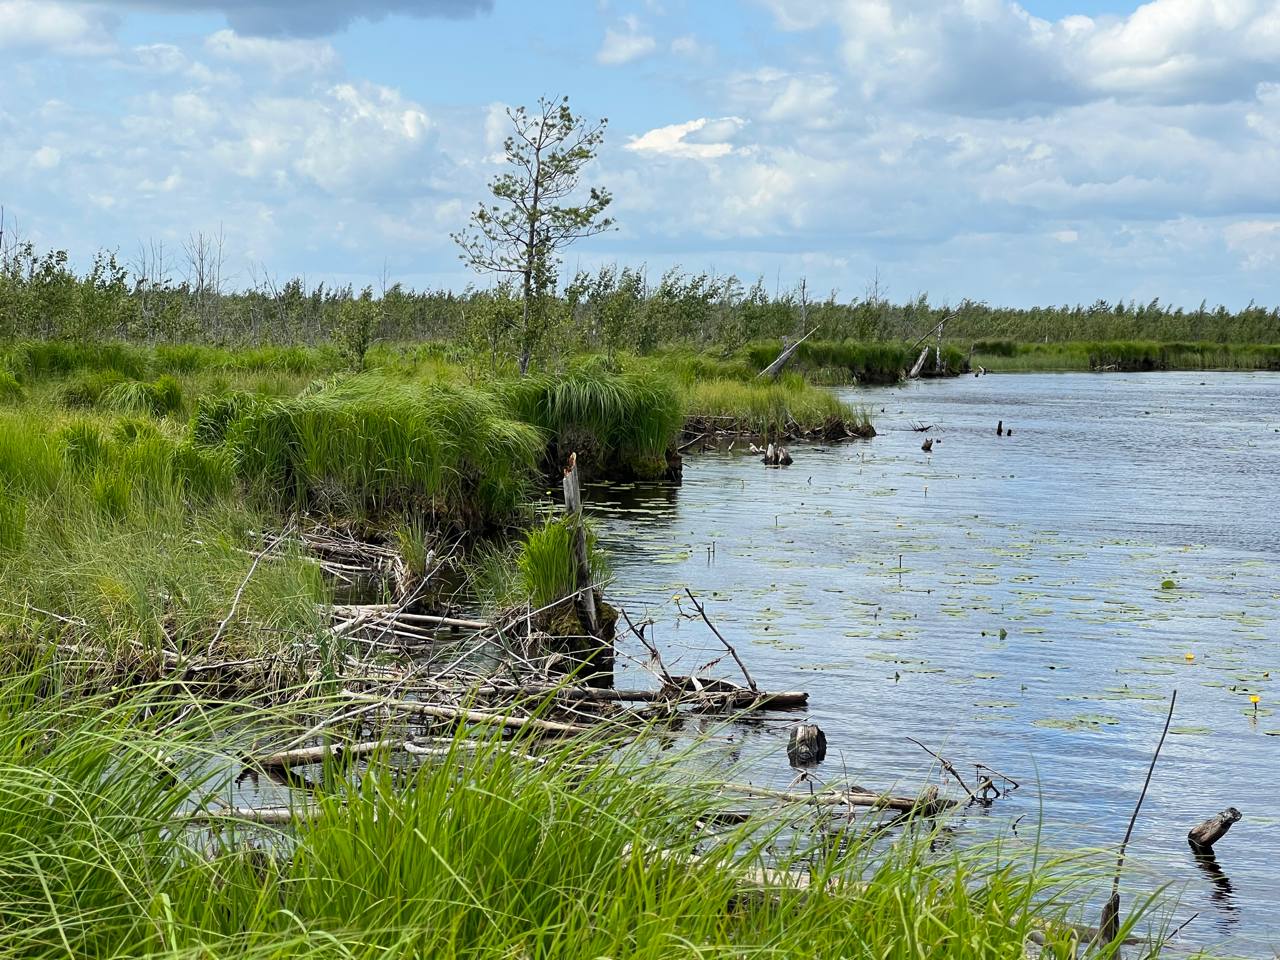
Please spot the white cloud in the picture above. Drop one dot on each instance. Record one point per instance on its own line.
(985, 54)
(54, 27)
(690, 48)
(623, 46)
(46, 158)
(701, 139)
(278, 56)
(1257, 242)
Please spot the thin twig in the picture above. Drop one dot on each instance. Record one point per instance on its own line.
(235, 601)
(728, 646)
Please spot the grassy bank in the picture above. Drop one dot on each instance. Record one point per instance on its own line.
(475, 853)
(1123, 356)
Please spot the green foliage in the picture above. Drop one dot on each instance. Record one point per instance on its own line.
(10, 389)
(358, 321)
(533, 217)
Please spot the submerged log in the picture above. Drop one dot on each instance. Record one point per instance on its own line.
(1203, 837)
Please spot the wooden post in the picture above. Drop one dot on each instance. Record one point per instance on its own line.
(601, 657)
(1203, 837)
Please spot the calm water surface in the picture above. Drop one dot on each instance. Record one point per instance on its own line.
(1027, 626)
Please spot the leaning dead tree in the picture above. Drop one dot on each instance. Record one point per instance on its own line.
(774, 370)
(936, 329)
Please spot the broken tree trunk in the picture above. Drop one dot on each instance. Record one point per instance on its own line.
(1203, 837)
(919, 364)
(807, 746)
(600, 658)
(774, 369)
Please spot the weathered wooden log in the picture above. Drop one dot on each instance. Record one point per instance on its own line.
(927, 804)
(727, 695)
(1203, 837)
(263, 815)
(807, 746)
(302, 756)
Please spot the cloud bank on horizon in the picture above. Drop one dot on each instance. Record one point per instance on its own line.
(1018, 153)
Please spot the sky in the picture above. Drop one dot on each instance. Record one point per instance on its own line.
(1050, 151)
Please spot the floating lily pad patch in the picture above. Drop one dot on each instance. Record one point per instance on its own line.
(1087, 721)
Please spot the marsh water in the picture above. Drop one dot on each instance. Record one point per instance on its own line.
(1028, 601)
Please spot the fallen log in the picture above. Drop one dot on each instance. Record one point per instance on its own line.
(734, 696)
(927, 804)
(263, 815)
(302, 756)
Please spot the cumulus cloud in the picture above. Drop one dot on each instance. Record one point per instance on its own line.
(52, 27)
(993, 54)
(624, 45)
(278, 56)
(315, 17)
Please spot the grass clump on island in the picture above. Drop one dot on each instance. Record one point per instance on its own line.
(593, 851)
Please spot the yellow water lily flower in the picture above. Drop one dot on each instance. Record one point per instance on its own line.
(1254, 699)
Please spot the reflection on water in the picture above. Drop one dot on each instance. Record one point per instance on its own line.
(1024, 601)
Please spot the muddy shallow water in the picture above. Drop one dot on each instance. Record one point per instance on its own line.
(1029, 624)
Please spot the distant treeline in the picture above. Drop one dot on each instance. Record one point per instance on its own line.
(613, 309)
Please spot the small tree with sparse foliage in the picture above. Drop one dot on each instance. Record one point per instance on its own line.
(533, 215)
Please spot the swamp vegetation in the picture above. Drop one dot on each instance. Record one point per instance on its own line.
(235, 524)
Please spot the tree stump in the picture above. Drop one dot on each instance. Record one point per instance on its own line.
(1203, 837)
(807, 746)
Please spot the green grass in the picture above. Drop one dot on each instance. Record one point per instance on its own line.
(367, 446)
(127, 536)
(769, 409)
(593, 853)
(619, 423)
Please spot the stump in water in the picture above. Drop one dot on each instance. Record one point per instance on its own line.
(1000, 429)
(1203, 837)
(927, 446)
(807, 746)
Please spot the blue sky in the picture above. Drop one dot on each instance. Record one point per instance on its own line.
(1049, 151)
